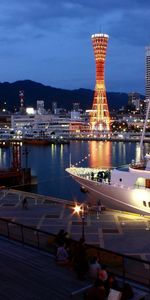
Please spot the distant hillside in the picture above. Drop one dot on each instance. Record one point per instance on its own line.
(34, 91)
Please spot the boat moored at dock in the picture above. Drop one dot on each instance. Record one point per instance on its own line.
(127, 190)
(123, 190)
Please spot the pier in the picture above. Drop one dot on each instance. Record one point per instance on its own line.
(132, 137)
(34, 141)
(113, 230)
(37, 225)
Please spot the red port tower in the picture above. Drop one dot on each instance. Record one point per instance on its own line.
(99, 116)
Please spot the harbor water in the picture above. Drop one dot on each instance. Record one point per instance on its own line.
(48, 163)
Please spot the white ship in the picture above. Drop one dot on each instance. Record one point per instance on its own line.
(117, 189)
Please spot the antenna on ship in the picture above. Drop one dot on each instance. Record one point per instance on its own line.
(144, 129)
(70, 160)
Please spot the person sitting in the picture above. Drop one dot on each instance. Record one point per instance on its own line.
(111, 283)
(94, 268)
(80, 260)
(96, 292)
(127, 292)
(62, 255)
(103, 275)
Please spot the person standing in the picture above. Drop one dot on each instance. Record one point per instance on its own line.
(99, 209)
(80, 260)
(25, 203)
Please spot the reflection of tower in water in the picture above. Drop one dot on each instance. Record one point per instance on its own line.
(100, 154)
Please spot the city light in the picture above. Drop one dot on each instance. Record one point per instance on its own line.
(77, 209)
(80, 211)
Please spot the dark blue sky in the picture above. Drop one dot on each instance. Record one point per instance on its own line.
(49, 41)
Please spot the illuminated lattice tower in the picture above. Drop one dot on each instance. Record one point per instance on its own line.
(99, 116)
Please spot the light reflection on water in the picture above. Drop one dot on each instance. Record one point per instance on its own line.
(4, 158)
(100, 154)
(48, 163)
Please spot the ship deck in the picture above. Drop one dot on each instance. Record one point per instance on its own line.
(114, 230)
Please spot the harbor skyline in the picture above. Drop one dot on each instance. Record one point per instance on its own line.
(50, 42)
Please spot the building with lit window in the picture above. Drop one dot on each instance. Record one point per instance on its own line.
(40, 107)
(45, 125)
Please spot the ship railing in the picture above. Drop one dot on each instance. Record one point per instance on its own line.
(141, 187)
(138, 165)
(135, 186)
(123, 186)
(123, 266)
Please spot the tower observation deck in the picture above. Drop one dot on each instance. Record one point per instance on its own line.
(99, 115)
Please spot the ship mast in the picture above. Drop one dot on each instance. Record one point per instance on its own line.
(143, 132)
(70, 160)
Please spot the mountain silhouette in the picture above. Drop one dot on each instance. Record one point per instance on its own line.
(33, 91)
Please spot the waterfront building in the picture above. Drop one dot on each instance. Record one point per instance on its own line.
(5, 126)
(30, 111)
(47, 125)
(5, 121)
(76, 106)
(99, 115)
(22, 124)
(61, 112)
(75, 115)
(54, 107)
(40, 107)
(78, 129)
(134, 99)
(135, 122)
(37, 125)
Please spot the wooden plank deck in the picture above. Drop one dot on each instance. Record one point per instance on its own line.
(27, 274)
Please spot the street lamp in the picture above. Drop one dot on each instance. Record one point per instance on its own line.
(80, 210)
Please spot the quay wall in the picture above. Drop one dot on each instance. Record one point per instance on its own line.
(7, 143)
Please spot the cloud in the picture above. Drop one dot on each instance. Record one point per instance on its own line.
(55, 16)
(61, 29)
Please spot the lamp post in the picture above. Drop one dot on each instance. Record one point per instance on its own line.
(80, 210)
(82, 214)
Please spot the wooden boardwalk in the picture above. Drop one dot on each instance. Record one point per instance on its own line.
(27, 274)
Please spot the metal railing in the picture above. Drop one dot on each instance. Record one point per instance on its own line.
(37, 197)
(123, 266)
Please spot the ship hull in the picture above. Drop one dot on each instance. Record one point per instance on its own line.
(116, 197)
